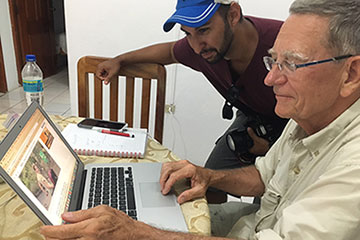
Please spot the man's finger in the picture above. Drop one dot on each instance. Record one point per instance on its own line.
(168, 168)
(190, 194)
(171, 180)
(252, 133)
(78, 216)
(67, 231)
(101, 73)
(175, 176)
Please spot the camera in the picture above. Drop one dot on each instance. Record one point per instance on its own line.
(239, 141)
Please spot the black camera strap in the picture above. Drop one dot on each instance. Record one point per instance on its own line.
(232, 100)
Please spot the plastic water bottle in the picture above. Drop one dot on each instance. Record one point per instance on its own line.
(32, 78)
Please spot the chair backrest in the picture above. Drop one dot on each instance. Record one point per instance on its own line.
(144, 71)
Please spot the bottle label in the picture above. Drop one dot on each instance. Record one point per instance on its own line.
(33, 85)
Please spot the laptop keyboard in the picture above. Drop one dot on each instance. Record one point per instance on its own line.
(113, 186)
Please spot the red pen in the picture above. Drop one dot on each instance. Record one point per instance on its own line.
(115, 133)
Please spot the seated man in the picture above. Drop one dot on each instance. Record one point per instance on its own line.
(309, 180)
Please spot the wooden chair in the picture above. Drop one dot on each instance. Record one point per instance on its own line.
(144, 71)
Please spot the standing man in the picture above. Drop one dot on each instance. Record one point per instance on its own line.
(309, 179)
(227, 48)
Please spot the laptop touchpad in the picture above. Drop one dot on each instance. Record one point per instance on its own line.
(151, 196)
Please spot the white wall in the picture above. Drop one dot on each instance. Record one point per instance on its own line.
(269, 9)
(111, 27)
(8, 46)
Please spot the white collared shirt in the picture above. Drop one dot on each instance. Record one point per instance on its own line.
(312, 184)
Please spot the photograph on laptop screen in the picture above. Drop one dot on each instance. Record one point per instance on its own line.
(47, 138)
(42, 167)
(40, 174)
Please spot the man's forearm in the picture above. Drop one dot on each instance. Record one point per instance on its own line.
(242, 181)
(159, 53)
(162, 234)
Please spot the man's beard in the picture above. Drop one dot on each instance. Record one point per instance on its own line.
(226, 43)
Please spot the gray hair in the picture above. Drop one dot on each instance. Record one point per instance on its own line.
(344, 25)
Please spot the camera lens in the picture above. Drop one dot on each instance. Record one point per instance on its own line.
(239, 141)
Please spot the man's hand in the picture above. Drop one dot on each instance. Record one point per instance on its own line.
(107, 70)
(261, 145)
(174, 171)
(100, 223)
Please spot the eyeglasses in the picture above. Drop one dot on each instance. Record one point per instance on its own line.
(269, 63)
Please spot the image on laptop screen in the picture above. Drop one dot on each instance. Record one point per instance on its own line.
(42, 166)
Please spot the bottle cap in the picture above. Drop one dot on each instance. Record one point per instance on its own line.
(30, 58)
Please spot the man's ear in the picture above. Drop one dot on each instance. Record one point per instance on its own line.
(351, 77)
(234, 14)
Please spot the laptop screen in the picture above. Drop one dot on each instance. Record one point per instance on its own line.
(42, 166)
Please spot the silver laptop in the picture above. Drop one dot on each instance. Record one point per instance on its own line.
(38, 163)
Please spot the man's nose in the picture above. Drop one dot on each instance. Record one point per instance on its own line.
(197, 44)
(274, 77)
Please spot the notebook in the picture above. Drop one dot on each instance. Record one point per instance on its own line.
(89, 142)
(41, 167)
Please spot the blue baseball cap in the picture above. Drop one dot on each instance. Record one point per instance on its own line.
(193, 13)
